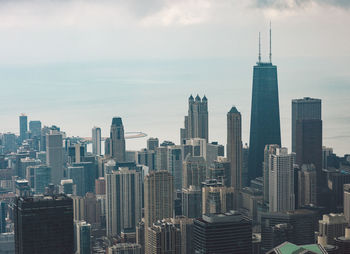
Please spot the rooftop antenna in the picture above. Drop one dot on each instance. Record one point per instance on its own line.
(270, 45)
(259, 49)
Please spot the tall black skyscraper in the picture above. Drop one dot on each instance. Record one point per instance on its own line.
(265, 116)
(44, 224)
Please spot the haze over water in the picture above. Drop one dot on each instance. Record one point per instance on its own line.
(151, 95)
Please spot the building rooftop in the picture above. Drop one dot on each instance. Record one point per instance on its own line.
(231, 216)
(290, 248)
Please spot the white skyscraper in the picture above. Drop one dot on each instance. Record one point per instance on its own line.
(281, 181)
(96, 141)
(123, 200)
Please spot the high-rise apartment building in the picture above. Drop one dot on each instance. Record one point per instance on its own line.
(117, 150)
(281, 181)
(265, 116)
(196, 122)
(158, 196)
(123, 200)
(23, 127)
(163, 237)
(304, 109)
(222, 233)
(54, 155)
(96, 141)
(234, 147)
(43, 224)
(83, 237)
(269, 149)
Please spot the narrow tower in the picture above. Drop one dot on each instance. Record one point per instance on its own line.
(117, 140)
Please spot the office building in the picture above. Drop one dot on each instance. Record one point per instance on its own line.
(343, 242)
(41, 178)
(66, 186)
(44, 224)
(330, 227)
(9, 142)
(194, 171)
(146, 157)
(35, 129)
(222, 233)
(304, 109)
(192, 202)
(196, 122)
(307, 185)
(347, 202)
(326, 152)
(152, 144)
(7, 243)
(175, 165)
(54, 155)
(302, 223)
(82, 237)
(23, 127)
(163, 237)
(77, 175)
(123, 200)
(117, 138)
(96, 141)
(100, 186)
(89, 174)
(265, 116)
(217, 198)
(234, 147)
(220, 169)
(3, 215)
(281, 181)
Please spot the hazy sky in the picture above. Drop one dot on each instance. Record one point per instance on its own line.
(78, 63)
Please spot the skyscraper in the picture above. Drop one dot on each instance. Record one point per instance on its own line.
(35, 128)
(42, 178)
(234, 147)
(96, 141)
(159, 196)
(83, 235)
(117, 140)
(54, 155)
(347, 202)
(196, 122)
(281, 181)
(44, 224)
(265, 116)
(194, 171)
(304, 109)
(175, 165)
(3, 211)
(123, 200)
(23, 127)
(222, 233)
(269, 149)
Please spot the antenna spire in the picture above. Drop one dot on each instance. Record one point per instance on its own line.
(270, 45)
(259, 49)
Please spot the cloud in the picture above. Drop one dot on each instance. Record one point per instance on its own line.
(292, 4)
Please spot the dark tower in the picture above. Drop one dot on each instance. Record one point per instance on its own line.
(265, 116)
